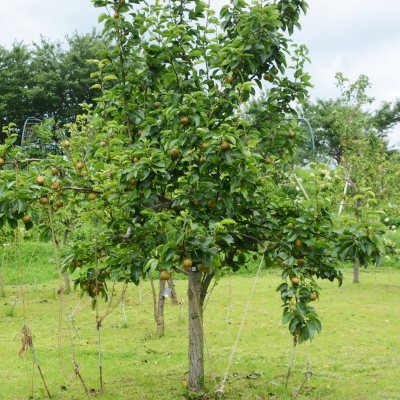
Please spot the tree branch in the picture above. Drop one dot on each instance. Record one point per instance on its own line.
(247, 237)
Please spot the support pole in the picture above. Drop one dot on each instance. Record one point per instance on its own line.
(347, 176)
(299, 183)
(123, 308)
(229, 310)
(291, 360)
(101, 371)
(76, 330)
(12, 310)
(76, 369)
(41, 374)
(181, 303)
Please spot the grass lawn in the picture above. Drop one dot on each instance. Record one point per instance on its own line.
(357, 355)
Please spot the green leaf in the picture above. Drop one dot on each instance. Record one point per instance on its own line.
(195, 53)
(317, 323)
(196, 118)
(28, 226)
(293, 324)
(71, 269)
(102, 17)
(207, 259)
(179, 236)
(227, 221)
(287, 317)
(311, 328)
(175, 98)
(170, 252)
(64, 268)
(252, 143)
(12, 223)
(109, 78)
(136, 271)
(301, 308)
(225, 236)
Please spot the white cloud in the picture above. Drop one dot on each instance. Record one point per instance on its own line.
(354, 37)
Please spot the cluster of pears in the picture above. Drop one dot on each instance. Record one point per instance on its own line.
(187, 263)
(90, 286)
(296, 281)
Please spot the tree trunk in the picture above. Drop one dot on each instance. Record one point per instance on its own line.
(355, 271)
(158, 311)
(196, 340)
(174, 297)
(66, 276)
(160, 316)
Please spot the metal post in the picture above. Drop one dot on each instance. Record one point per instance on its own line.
(229, 310)
(41, 374)
(181, 303)
(140, 293)
(101, 372)
(76, 330)
(308, 375)
(291, 360)
(12, 310)
(311, 132)
(34, 285)
(123, 307)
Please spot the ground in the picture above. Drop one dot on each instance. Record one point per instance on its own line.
(355, 357)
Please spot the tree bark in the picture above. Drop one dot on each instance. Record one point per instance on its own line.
(196, 340)
(355, 271)
(174, 297)
(66, 276)
(158, 311)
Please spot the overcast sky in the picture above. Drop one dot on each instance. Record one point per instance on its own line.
(351, 36)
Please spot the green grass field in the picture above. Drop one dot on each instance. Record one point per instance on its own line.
(355, 357)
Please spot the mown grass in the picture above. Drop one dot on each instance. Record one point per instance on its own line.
(355, 357)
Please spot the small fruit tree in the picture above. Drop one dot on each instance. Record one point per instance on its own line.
(167, 174)
(369, 174)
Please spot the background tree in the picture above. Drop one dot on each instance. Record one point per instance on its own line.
(323, 115)
(16, 77)
(363, 154)
(48, 79)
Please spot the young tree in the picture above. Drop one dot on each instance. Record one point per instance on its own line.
(167, 174)
(363, 154)
(324, 115)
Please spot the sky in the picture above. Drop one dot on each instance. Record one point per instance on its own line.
(350, 36)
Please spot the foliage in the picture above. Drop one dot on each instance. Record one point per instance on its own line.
(47, 79)
(390, 247)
